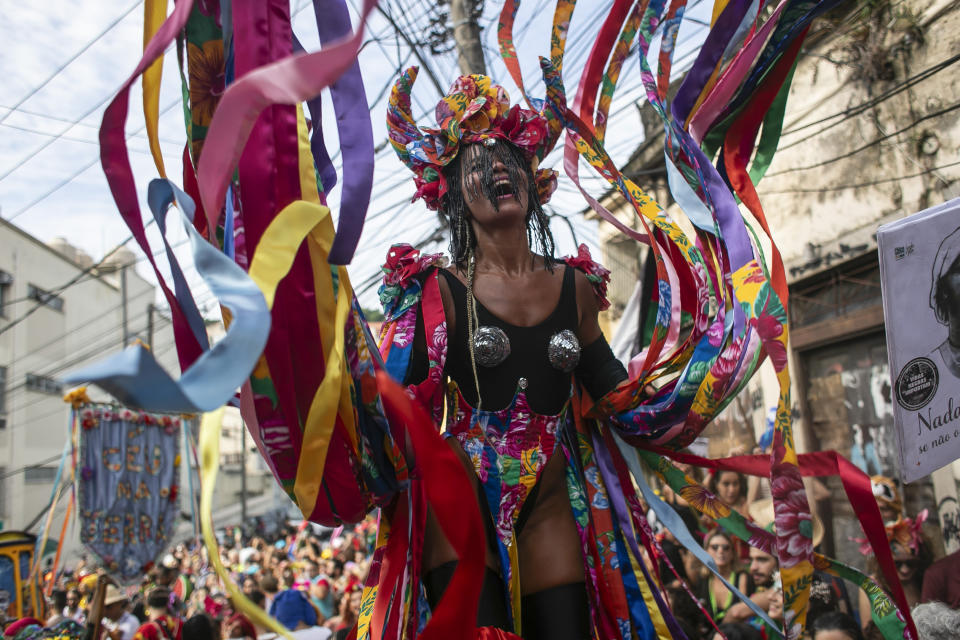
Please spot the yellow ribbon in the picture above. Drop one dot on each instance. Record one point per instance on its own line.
(209, 464)
(154, 13)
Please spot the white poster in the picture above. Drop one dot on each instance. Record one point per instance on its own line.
(920, 274)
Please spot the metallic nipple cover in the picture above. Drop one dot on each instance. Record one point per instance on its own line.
(491, 346)
(563, 351)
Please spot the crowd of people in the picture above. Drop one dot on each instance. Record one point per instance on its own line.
(311, 582)
(838, 610)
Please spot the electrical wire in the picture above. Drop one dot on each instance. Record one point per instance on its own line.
(860, 185)
(876, 141)
(854, 111)
(33, 465)
(47, 116)
(76, 174)
(70, 60)
(33, 154)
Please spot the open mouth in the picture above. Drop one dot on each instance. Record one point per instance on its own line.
(502, 189)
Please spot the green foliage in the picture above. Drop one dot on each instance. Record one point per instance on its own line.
(373, 315)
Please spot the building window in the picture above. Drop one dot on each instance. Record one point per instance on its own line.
(39, 475)
(43, 384)
(46, 298)
(6, 286)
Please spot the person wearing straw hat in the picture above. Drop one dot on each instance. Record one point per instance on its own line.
(118, 622)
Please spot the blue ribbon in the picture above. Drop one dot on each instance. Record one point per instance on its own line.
(135, 378)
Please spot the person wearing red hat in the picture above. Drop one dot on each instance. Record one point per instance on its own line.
(322, 598)
(239, 626)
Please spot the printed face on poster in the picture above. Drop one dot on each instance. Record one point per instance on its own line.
(128, 485)
(920, 271)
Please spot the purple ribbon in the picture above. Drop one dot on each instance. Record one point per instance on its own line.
(710, 54)
(355, 132)
(321, 159)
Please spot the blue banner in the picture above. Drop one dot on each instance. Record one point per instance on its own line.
(128, 477)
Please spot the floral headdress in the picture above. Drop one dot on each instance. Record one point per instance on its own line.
(474, 110)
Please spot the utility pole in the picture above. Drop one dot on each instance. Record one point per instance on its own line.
(466, 35)
(150, 309)
(243, 475)
(123, 296)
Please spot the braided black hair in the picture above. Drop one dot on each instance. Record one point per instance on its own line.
(453, 205)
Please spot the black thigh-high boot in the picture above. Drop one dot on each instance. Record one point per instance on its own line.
(557, 613)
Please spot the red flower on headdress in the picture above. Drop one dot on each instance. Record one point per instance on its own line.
(524, 128)
(430, 190)
(473, 110)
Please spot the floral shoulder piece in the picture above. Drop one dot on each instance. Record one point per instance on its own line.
(595, 272)
(401, 288)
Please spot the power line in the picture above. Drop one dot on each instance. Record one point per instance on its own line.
(67, 138)
(854, 111)
(64, 65)
(874, 142)
(860, 184)
(67, 284)
(58, 135)
(47, 116)
(34, 465)
(35, 351)
(76, 174)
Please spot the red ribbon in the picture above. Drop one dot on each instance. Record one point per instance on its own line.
(116, 166)
(738, 147)
(446, 484)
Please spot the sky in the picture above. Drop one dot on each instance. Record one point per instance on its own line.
(64, 61)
